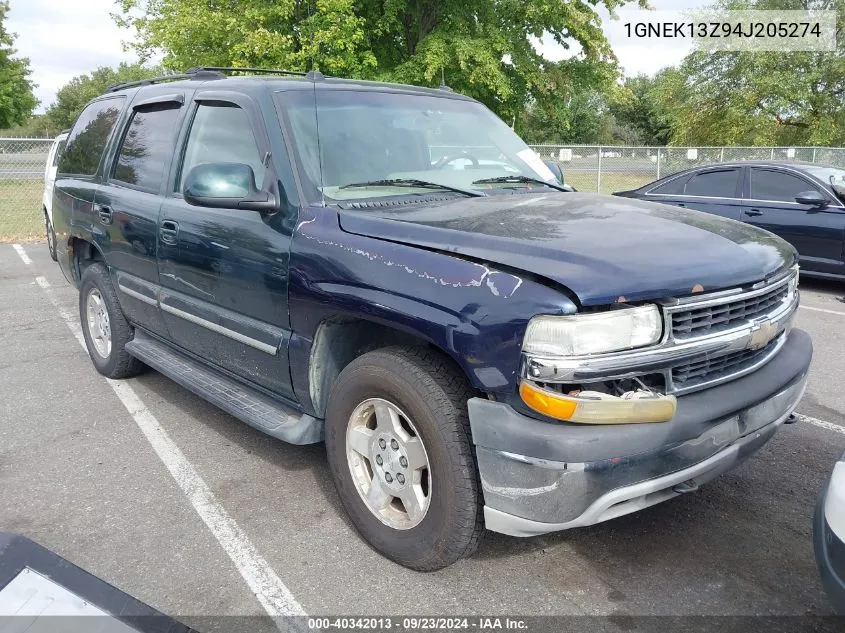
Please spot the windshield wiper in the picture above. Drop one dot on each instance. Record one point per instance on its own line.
(413, 182)
(525, 179)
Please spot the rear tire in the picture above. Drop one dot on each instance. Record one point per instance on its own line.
(412, 490)
(105, 328)
(51, 237)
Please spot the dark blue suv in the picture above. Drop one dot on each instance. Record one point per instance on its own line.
(392, 270)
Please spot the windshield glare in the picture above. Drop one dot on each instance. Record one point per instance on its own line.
(830, 175)
(369, 136)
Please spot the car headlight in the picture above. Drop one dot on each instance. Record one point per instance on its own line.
(594, 332)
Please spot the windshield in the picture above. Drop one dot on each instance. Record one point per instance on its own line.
(830, 176)
(372, 137)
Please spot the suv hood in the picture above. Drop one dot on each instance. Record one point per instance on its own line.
(602, 248)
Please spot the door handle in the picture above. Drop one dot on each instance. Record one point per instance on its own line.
(169, 231)
(753, 212)
(104, 213)
(682, 204)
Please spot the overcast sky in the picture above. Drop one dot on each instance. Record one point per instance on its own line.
(63, 39)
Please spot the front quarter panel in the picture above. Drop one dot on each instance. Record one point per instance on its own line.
(471, 311)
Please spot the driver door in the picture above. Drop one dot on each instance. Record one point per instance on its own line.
(224, 272)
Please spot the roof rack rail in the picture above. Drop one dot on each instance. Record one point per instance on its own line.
(256, 71)
(196, 74)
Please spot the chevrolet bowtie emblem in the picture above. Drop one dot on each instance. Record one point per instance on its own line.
(761, 334)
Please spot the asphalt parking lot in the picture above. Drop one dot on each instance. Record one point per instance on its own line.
(178, 504)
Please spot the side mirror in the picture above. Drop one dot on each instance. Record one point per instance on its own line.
(812, 198)
(554, 166)
(226, 186)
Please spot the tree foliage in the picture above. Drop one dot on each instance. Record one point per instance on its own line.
(483, 48)
(75, 94)
(759, 98)
(641, 108)
(17, 100)
(576, 104)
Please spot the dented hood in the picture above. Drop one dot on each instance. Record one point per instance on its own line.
(600, 247)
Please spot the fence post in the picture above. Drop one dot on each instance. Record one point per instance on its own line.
(773, 154)
(598, 177)
(658, 163)
(722, 155)
(814, 156)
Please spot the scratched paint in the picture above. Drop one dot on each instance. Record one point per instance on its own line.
(500, 284)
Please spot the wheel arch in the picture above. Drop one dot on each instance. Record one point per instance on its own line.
(82, 253)
(340, 339)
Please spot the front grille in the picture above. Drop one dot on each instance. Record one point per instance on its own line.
(712, 319)
(708, 370)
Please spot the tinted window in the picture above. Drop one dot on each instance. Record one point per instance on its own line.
(221, 133)
(715, 184)
(769, 184)
(673, 186)
(147, 147)
(89, 136)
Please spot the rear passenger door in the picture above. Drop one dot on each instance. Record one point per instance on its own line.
(816, 233)
(127, 205)
(224, 272)
(78, 174)
(714, 190)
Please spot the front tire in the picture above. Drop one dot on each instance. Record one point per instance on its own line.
(105, 328)
(399, 450)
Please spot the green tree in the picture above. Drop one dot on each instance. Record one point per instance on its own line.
(484, 48)
(760, 98)
(17, 100)
(574, 104)
(640, 109)
(75, 94)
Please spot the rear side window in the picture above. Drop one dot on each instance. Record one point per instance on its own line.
(221, 133)
(672, 187)
(713, 184)
(147, 147)
(770, 184)
(89, 136)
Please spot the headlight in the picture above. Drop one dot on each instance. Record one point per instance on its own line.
(793, 288)
(593, 333)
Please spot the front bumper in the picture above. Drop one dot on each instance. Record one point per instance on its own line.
(541, 477)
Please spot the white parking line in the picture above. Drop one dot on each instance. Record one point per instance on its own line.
(22, 253)
(822, 310)
(830, 426)
(262, 580)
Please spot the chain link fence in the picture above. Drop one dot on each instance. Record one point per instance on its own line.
(603, 169)
(607, 169)
(22, 164)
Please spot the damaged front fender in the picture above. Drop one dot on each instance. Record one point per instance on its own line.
(472, 311)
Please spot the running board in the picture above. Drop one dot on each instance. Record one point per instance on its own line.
(248, 405)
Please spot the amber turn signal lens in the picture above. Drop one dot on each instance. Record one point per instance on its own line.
(545, 402)
(603, 409)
